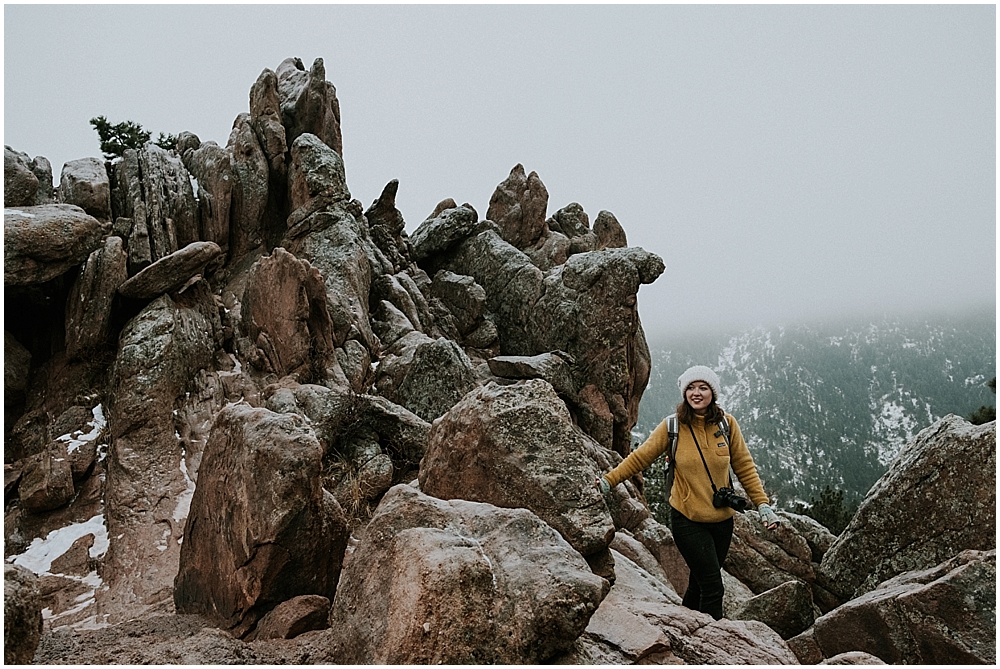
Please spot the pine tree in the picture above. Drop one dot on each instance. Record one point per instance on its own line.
(985, 414)
(116, 138)
(829, 510)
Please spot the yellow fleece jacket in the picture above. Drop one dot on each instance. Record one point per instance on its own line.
(692, 490)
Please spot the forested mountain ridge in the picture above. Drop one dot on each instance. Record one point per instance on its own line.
(832, 404)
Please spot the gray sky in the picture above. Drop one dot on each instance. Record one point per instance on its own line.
(786, 162)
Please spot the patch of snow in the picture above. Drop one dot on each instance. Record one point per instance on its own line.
(977, 380)
(184, 499)
(93, 580)
(40, 554)
(74, 440)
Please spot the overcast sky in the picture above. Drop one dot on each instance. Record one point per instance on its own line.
(786, 162)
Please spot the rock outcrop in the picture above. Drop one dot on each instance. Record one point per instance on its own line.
(22, 615)
(21, 183)
(85, 183)
(285, 318)
(942, 615)
(43, 242)
(258, 500)
(248, 420)
(516, 447)
(434, 579)
(641, 622)
(161, 351)
(938, 498)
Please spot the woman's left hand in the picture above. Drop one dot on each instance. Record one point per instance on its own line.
(768, 516)
(602, 484)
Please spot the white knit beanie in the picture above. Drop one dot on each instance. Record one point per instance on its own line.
(700, 373)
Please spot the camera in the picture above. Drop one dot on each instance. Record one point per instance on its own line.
(731, 498)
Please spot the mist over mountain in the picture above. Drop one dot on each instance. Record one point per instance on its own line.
(831, 403)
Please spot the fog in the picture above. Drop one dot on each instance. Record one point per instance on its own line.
(786, 162)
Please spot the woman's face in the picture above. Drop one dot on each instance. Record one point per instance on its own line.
(698, 395)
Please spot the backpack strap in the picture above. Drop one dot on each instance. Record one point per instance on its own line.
(668, 460)
(726, 432)
(672, 435)
(724, 428)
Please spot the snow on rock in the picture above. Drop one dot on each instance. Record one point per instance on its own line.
(74, 440)
(40, 554)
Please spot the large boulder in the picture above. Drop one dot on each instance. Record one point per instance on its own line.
(316, 172)
(211, 166)
(431, 380)
(516, 447)
(942, 615)
(457, 582)
(27, 181)
(589, 310)
(817, 536)
(293, 617)
(283, 536)
(20, 184)
(389, 288)
(22, 615)
(585, 307)
(609, 232)
(161, 352)
(787, 609)
(335, 240)
(309, 103)
(153, 191)
(405, 431)
(85, 183)
(512, 283)
(764, 559)
(42, 169)
(552, 367)
(464, 298)
(335, 412)
(518, 208)
(386, 224)
(92, 297)
(641, 622)
(46, 482)
(937, 498)
(442, 231)
(571, 221)
(172, 271)
(285, 317)
(250, 191)
(265, 119)
(43, 242)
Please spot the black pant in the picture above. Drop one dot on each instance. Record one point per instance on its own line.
(703, 547)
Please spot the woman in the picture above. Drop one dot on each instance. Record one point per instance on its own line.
(702, 530)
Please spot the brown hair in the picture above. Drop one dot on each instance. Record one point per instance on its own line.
(713, 414)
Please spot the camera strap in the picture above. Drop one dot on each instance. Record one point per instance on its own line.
(698, 446)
